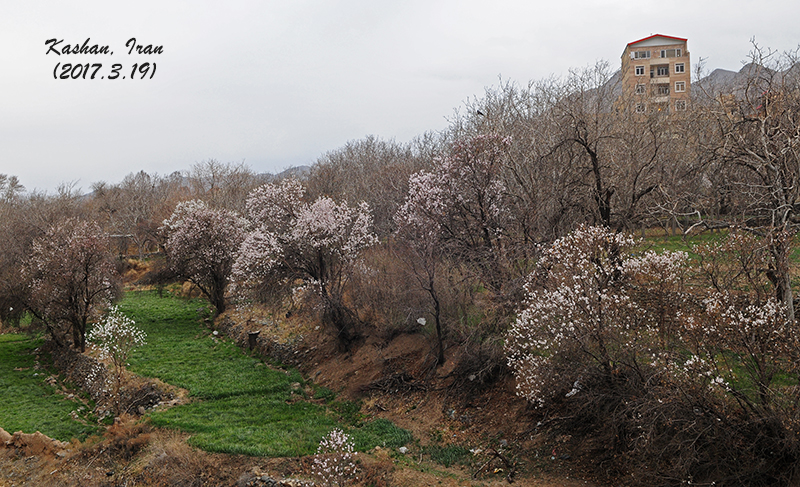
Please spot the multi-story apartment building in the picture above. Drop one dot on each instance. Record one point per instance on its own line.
(656, 75)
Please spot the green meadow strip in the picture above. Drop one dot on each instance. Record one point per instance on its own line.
(240, 405)
(31, 404)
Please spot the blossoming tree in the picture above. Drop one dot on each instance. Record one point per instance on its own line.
(201, 247)
(460, 205)
(585, 317)
(457, 209)
(72, 279)
(420, 232)
(739, 331)
(334, 463)
(317, 242)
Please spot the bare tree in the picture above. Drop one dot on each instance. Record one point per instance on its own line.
(756, 143)
(579, 153)
(134, 209)
(222, 185)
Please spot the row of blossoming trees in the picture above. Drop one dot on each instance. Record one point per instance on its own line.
(286, 238)
(282, 240)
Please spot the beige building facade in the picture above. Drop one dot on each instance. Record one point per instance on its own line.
(656, 74)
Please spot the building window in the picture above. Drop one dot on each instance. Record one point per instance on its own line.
(680, 86)
(670, 53)
(641, 89)
(639, 70)
(640, 108)
(679, 68)
(662, 90)
(680, 105)
(640, 55)
(662, 71)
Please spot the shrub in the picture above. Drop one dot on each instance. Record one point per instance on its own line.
(334, 462)
(587, 316)
(116, 336)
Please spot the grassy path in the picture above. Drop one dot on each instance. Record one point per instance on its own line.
(29, 403)
(241, 406)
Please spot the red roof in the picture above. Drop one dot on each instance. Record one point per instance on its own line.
(658, 35)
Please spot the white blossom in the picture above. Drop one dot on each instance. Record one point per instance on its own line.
(586, 308)
(334, 463)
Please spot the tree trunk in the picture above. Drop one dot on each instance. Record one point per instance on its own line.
(781, 252)
(438, 320)
(779, 275)
(342, 320)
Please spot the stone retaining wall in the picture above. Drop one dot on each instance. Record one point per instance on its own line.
(93, 377)
(86, 373)
(289, 353)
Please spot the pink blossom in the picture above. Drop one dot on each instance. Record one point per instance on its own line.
(202, 244)
(73, 278)
(289, 238)
(461, 202)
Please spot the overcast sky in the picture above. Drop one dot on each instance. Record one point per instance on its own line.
(278, 83)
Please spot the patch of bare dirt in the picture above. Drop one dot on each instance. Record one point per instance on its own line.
(134, 269)
(406, 359)
(129, 453)
(29, 444)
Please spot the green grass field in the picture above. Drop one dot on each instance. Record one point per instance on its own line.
(241, 405)
(29, 403)
(678, 243)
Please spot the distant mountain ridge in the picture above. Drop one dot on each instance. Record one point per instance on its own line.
(296, 172)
